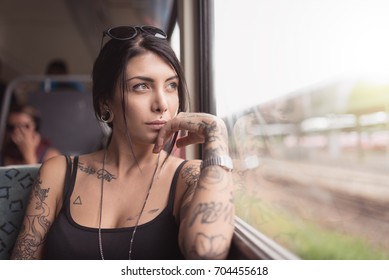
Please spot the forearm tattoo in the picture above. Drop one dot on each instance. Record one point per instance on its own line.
(35, 226)
(211, 131)
(215, 145)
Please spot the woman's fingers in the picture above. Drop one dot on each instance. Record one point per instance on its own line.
(194, 124)
(17, 138)
(163, 136)
(26, 139)
(167, 131)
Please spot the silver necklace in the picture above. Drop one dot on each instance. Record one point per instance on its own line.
(139, 216)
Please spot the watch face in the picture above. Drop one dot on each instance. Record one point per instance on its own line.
(227, 162)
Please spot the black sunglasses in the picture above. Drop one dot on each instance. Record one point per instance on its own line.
(129, 32)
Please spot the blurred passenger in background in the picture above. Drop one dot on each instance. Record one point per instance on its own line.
(23, 144)
(59, 67)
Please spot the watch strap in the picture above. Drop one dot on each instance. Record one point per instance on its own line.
(223, 161)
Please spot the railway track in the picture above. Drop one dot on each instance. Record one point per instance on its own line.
(356, 203)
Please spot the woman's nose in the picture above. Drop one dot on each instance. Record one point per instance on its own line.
(160, 102)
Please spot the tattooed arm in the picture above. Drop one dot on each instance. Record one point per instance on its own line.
(40, 211)
(207, 209)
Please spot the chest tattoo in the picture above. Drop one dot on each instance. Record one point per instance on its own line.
(101, 173)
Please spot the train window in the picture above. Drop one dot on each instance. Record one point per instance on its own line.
(175, 40)
(304, 88)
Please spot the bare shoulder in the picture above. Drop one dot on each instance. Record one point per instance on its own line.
(52, 174)
(53, 166)
(91, 160)
(51, 152)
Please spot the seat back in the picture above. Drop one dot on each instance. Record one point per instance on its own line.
(15, 187)
(67, 114)
(68, 120)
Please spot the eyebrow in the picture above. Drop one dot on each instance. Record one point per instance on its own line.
(148, 79)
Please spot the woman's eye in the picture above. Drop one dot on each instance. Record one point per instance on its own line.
(139, 87)
(173, 86)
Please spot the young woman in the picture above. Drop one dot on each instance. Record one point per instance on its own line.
(133, 200)
(23, 144)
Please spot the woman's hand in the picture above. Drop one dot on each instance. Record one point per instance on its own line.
(27, 141)
(200, 128)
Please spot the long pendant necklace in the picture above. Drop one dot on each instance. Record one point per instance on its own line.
(139, 216)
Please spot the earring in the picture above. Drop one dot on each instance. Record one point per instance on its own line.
(107, 117)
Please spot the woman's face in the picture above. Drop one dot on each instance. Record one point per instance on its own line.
(151, 97)
(18, 122)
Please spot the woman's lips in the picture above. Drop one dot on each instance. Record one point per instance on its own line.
(157, 125)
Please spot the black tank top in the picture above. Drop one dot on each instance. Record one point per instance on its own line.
(156, 239)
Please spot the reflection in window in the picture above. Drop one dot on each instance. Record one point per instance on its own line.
(310, 139)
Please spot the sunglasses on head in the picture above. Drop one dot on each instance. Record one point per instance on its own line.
(129, 32)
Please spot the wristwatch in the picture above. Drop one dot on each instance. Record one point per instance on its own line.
(224, 161)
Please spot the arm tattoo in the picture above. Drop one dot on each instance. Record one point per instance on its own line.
(211, 152)
(190, 174)
(210, 246)
(35, 226)
(214, 179)
(210, 212)
(213, 176)
(211, 131)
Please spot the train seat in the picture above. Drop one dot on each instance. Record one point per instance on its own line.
(15, 186)
(68, 120)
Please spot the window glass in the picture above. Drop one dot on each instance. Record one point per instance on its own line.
(304, 88)
(175, 40)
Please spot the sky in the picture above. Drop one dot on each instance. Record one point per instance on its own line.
(268, 48)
